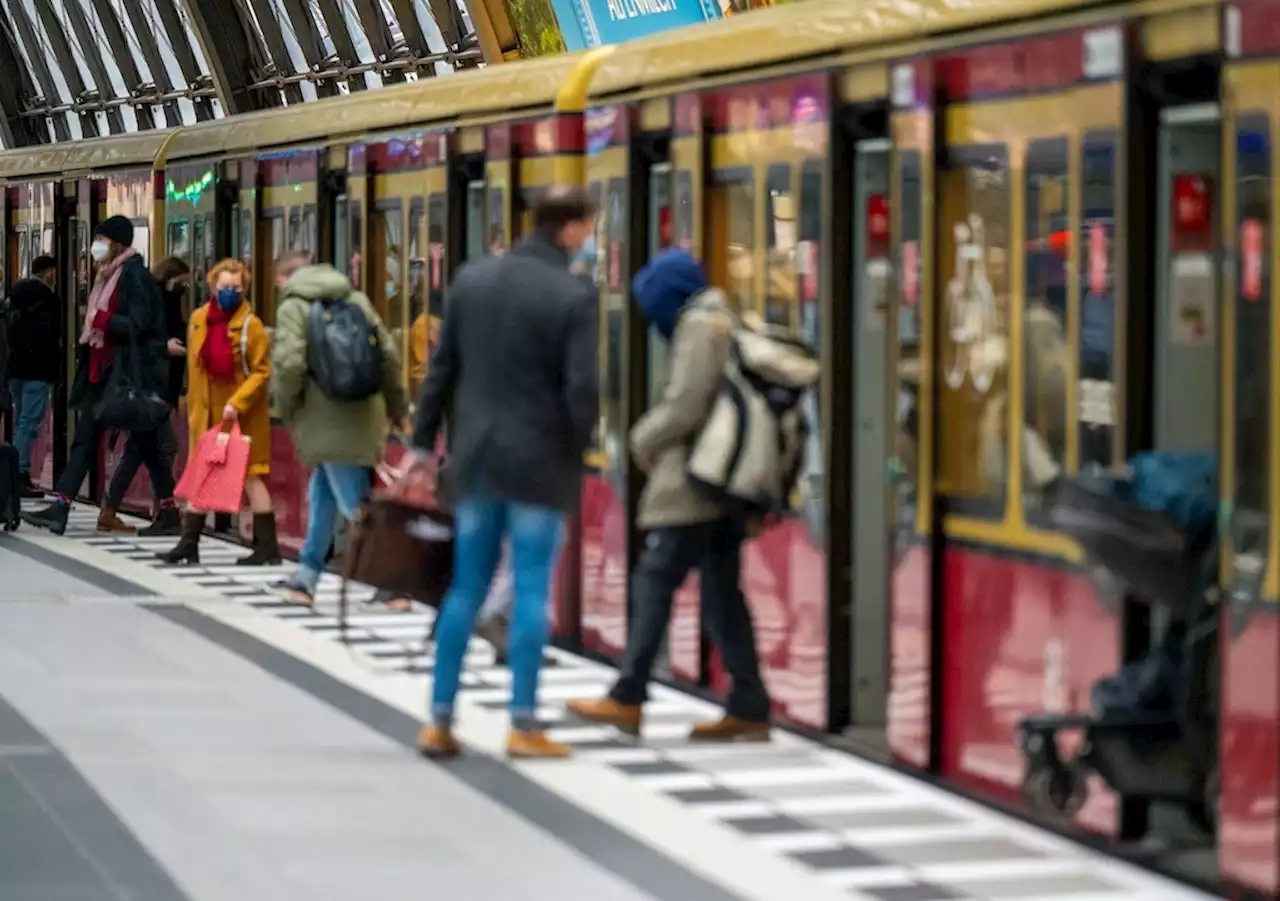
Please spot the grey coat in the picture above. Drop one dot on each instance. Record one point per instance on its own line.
(660, 441)
(515, 373)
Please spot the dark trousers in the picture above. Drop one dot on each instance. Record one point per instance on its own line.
(84, 453)
(134, 458)
(715, 549)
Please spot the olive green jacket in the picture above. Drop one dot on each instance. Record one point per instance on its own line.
(325, 430)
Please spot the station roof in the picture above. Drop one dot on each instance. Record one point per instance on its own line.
(74, 69)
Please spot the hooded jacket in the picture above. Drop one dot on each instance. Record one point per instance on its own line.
(673, 294)
(325, 430)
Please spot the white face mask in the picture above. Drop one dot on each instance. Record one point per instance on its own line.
(100, 251)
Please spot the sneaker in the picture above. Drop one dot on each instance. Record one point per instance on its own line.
(534, 745)
(730, 729)
(435, 743)
(626, 718)
(52, 517)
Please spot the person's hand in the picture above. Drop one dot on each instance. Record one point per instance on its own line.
(230, 413)
(177, 348)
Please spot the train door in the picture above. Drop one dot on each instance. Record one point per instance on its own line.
(871, 439)
(1249, 829)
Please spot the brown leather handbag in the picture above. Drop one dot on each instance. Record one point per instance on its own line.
(400, 542)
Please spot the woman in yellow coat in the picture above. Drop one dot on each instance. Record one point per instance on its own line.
(228, 368)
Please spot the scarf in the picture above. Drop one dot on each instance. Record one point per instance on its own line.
(104, 291)
(217, 355)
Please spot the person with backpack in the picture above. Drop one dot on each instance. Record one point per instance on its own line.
(173, 276)
(35, 354)
(120, 370)
(336, 385)
(686, 527)
(516, 371)
(228, 370)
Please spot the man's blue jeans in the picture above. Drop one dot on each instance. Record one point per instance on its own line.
(479, 526)
(30, 400)
(336, 489)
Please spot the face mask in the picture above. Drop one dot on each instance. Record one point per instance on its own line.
(100, 251)
(586, 255)
(229, 298)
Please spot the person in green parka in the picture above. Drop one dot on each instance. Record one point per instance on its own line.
(340, 440)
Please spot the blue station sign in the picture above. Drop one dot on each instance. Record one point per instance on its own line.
(593, 23)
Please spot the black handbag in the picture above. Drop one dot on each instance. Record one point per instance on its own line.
(128, 404)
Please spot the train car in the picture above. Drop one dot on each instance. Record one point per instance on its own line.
(1028, 239)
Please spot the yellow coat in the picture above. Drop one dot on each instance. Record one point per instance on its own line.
(206, 398)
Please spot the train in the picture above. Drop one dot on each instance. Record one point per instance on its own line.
(925, 190)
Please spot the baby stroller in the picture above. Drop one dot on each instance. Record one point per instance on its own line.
(1151, 733)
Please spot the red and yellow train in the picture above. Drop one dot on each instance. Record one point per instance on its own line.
(1026, 237)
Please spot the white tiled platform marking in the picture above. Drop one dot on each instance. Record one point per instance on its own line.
(850, 824)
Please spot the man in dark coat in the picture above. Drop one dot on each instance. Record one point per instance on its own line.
(34, 358)
(516, 368)
(125, 316)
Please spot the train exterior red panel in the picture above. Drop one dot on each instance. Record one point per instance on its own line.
(908, 728)
(1249, 834)
(603, 533)
(1021, 637)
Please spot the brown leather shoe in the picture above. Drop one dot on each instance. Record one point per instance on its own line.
(730, 729)
(435, 743)
(110, 521)
(626, 718)
(535, 746)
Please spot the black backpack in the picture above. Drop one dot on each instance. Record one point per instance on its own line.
(344, 355)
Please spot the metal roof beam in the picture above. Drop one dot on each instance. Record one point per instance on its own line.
(66, 62)
(277, 50)
(98, 70)
(343, 43)
(114, 32)
(228, 44)
(378, 32)
(39, 67)
(179, 44)
(16, 130)
(414, 39)
(308, 36)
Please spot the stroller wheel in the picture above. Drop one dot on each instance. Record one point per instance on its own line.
(1057, 790)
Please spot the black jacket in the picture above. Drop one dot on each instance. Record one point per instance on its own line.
(34, 339)
(175, 327)
(140, 315)
(516, 368)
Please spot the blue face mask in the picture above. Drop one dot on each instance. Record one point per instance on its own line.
(229, 298)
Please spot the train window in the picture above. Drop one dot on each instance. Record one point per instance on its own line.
(497, 229)
(356, 237)
(414, 351)
(1096, 255)
(141, 240)
(1253, 348)
(601, 237)
(176, 240)
(295, 228)
(731, 245)
(341, 261)
(684, 209)
(308, 239)
(780, 256)
(1046, 363)
(973, 264)
(616, 248)
(437, 281)
(613, 307)
(476, 227)
(808, 251)
(386, 250)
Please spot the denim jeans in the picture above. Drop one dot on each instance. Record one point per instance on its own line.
(480, 524)
(336, 489)
(30, 400)
(715, 548)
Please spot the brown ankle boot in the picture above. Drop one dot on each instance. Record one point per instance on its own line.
(534, 745)
(266, 550)
(730, 729)
(626, 718)
(436, 743)
(110, 521)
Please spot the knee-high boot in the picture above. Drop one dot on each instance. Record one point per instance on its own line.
(266, 550)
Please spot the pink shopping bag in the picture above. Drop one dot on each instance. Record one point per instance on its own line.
(215, 474)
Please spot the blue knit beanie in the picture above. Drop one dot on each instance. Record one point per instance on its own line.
(665, 285)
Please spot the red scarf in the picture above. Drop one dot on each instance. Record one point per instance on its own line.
(218, 355)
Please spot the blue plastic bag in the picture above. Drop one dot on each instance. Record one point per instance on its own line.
(1181, 485)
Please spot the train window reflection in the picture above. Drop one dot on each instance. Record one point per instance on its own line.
(973, 277)
(1095, 255)
(780, 221)
(1253, 333)
(339, 250)
(684, 209)
(731, 247)
(1046, 358)
(613, 300)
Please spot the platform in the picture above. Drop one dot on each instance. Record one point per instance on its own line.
(180, 734)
